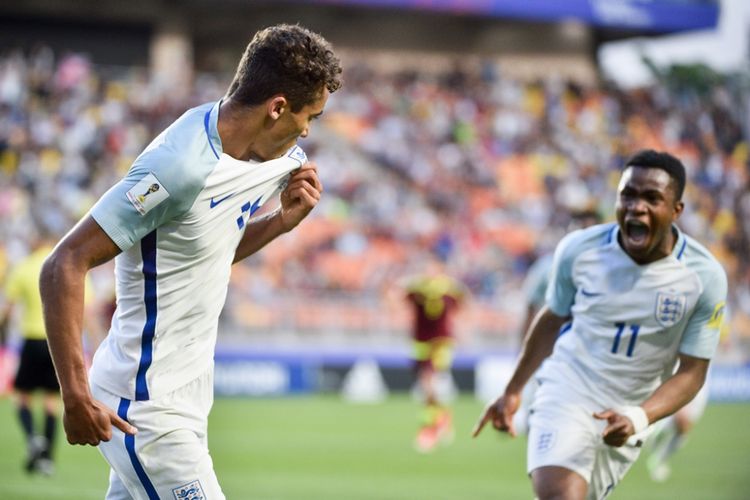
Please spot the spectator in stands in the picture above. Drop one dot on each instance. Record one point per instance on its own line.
(69, 129)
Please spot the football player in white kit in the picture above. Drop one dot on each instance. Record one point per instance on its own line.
(175, 225)
(639, 295)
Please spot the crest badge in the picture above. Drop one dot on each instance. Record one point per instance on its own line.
(670, 308)
(545, 440)
(189, 491)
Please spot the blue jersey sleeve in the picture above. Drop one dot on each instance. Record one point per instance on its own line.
(155, 190)
(701, 336)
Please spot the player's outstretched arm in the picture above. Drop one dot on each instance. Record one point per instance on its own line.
(538, 346)
(300, 196)
(62, 284)
(673, 394)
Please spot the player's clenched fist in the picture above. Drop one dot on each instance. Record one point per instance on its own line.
(301, 195)
(619, 427)
(500, 412)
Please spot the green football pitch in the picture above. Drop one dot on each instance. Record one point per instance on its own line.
(323, 448)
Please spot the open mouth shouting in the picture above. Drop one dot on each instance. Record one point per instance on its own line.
(637, 234)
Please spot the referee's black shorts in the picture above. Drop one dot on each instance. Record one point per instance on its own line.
(35, 368)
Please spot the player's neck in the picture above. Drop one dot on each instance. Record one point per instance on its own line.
(239, 127)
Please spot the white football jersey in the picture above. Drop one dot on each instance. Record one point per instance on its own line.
(178, 217)
(629, 321)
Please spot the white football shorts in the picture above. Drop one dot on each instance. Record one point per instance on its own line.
(521, 417)
(168, 458)
(563, 433)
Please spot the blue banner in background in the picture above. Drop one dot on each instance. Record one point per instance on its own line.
(266, 372)
(660, 16)
(263, 377)
(729, 383)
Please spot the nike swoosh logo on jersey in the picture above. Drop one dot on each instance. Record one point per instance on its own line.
(589, 294)
(216, 202)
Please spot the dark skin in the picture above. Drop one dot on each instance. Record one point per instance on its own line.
(260, 133)
(646, 209)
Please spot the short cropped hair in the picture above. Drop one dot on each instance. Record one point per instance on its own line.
(648, 158)
(289, 60)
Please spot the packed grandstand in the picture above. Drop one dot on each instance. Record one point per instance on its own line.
(470, 164)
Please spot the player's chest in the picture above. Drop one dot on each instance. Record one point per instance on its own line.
(221, 212)
(659, 296)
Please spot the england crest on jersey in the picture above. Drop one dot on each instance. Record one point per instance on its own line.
(189, 491)
(670, 308)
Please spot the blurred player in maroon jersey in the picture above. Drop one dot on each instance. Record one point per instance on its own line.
(434, 297)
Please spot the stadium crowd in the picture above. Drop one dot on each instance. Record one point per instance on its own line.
(471, 165)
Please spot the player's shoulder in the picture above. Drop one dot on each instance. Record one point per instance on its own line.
(700, 260)
(186, 138)
(582, 240)
(182, 156)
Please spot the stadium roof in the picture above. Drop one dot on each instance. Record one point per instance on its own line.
(658, 16)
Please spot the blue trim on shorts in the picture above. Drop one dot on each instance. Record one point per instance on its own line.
(148, 253)
(122, 412)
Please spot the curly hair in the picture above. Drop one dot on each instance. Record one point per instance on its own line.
(289, 60)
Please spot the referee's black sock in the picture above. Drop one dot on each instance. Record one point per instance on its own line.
(50, 429)
(27, 423)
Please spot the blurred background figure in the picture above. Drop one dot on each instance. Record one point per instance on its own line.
(670, 435)
(537, 277)
(534, 289)
(434, 297)
(35, 369)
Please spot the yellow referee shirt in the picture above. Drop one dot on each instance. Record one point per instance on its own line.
(22, 287)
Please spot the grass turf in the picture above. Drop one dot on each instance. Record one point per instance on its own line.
(323, 448)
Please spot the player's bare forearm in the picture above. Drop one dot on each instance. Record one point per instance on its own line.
(527, 321)
(62, 289)
(678, 390)
(62, 286)
(258, 234)
(672, 395)
(537, 347)
(300, 196)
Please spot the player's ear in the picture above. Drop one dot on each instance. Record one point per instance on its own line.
(679, 206)
(277, 106)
